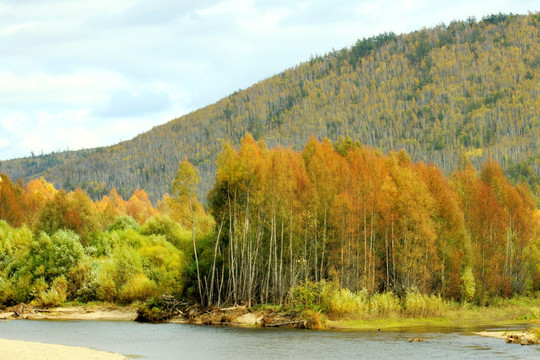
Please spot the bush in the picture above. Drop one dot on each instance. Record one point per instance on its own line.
(103, 283)
(307, 294)
(124, 222)
(422, 305)
(151, 311)
(7, 295)
(22, 287)
(54, 256)
(337, 301)
(76, 279)
(138, 287)
(385, 304)
(54, 296)
(341, 302)
(315, 320)
(173, 232)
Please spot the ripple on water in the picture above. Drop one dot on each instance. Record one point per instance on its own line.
(176, 341)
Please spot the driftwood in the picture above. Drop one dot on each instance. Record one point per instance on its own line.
(168, 306)
(172, 306)
(21, 310)
(522, 340)
(416, 339)
(302, 323)
(233, 308)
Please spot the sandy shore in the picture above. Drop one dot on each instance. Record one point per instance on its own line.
(75, 313)
(22, 350)
(523, 337)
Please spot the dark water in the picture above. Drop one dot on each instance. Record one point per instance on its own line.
(174, 341)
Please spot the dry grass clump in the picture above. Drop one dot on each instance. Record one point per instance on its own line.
(343, 303)
(386, 304)
(422, 305)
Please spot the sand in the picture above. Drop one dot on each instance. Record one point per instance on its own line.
(523, 337)
(75, 313)
(23, 350)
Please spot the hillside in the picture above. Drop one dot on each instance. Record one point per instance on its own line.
(466, 88)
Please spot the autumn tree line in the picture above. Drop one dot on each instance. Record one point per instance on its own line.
(58, 246)
(347, 213)
(277, 222)
(469, 86)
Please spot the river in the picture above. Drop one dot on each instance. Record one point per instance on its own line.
(176, 341)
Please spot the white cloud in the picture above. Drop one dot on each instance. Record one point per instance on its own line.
(9, 124)
(125, 103)
(82, 88)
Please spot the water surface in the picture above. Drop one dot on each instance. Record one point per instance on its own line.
(176, 341)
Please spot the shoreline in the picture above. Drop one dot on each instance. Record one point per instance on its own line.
(512, 337)
(73, 313)
(240, 316)
(29, 350)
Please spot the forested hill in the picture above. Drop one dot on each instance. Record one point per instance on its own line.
(470, 87)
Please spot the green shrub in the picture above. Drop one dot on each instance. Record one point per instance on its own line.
(138, 287)
(151, 311)
(124, 222)
(307, 294)
(7, 295)
(54, 296)
(103, 281)
(23, 287)
(54, 256)
(173, 231)
(76, 279)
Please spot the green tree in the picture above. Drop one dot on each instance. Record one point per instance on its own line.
(184, 188)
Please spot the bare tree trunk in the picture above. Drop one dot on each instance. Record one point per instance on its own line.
(201, 295)
(323, 244)
(280, 273)
(211, 292)
(292, 276)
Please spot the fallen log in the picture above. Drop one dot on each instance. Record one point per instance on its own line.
(288, 323)
(232, 308)
(521, 339)
(416, 339)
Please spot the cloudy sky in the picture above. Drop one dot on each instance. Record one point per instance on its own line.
(83, 73)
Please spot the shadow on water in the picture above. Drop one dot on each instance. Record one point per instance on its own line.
(175, 341)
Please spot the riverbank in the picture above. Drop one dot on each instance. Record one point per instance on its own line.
(463, 316)
(26, 350)
(526, 313)
(513, 337)
(80, 312)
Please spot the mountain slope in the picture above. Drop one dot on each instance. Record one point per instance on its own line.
(469, 87)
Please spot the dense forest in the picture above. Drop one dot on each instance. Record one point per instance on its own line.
(334, 221)
(466, 88)
(57, 246)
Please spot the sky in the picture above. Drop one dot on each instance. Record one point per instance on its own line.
(85, 73)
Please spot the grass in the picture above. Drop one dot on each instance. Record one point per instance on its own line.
(511, 311)
(343, 309)
(346, 309)
(99, 305)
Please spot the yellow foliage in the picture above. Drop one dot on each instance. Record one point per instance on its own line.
(422, 305)
(138, 287)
